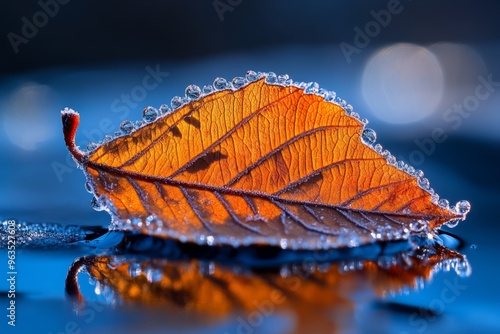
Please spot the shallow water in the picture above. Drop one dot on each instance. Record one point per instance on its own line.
(36, 191)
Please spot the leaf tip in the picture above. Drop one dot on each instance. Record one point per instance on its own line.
(70, 120)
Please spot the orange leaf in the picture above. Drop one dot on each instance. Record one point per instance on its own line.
(265, 163)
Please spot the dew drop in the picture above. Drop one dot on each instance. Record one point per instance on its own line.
(251, 76)
(330, 96)
(193, 92)
(283, 243)
(127, 126)
(369, 136)
(453, 223)
(282, 79)
(88, 187)
(423, 183)
(91, 146)
(271, 78)
(149, 114)
(462, 207)
(239, 82)
(462, 268)
(220, 84)
(207, 89)
(311, 88)
(165, 109)
(418, 226)
(176, 102)
(444, 203)
(391, 160)
(107, 138)
(419, 173)
(97, 204)
(378, 148)
(401, 165)
(410, 170)
(349, 108)
(138, 124)
(153, 275)
(365, 121)
(135, 269)
(210, 240)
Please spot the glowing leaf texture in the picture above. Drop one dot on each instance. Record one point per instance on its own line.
(262, 164)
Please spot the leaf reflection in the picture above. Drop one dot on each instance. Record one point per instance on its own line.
(215, 289)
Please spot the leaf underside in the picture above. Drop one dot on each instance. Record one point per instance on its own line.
(264, 164)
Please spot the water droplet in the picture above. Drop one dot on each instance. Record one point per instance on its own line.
(473, 246)
(251, 76)
(444, 203)
(378, 148)
(107, 138)
(423, 183)
(149, 114)
(283, 243)
(401, 165)
(153, 275)
(462, 207)
(271, 78)
(453, 223)
(282, 79)
(193, 92)
(88, 187)
(134, 269)
(165, 109)
(330, 96)
(138, 124)
(176, 102)
(311, 88)
(97, 288)
(391, 160)
(354, 115)
(207, 89)
(349, 108)
(97, 204)
(419, 173)
(127, 126)
(418, 226)
(210, 240)
(220, 84)
(410, 170)
(462, 268)
(91, 146)
(369, 136)
(239, 82)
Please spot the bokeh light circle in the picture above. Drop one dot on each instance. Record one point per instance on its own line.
(402, 83)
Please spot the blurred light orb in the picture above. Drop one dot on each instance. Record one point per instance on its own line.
(25, 116)
(402, 83)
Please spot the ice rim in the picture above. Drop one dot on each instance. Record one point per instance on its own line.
(194, 93)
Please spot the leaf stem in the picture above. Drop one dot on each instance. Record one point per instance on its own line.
(70, 120)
